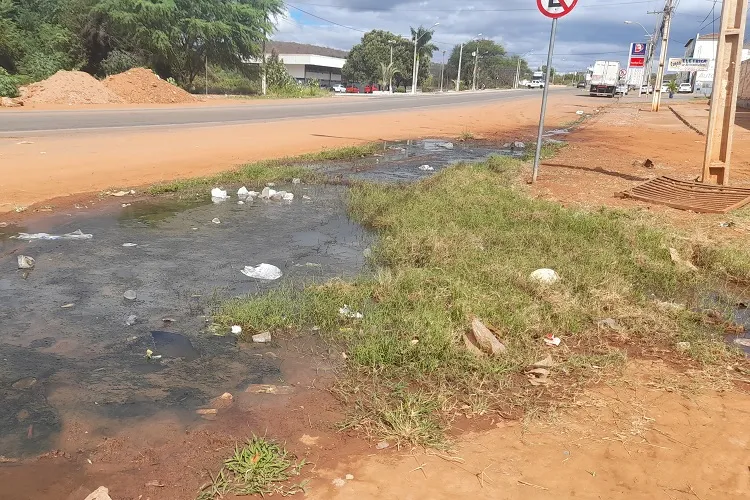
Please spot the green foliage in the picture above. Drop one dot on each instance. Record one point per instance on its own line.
(673, 87)
(387, 72)
(118, 61)
(277, 77)
(495, 68)
(232, 81)
(8, 84)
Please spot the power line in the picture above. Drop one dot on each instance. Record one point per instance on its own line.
(325, 20)
(469, 11)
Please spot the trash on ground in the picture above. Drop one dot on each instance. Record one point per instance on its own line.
(288, 196)
(101, 493)
(305, 197)
(742, 342)
(66, 306)
(551, 339)
(206, 411)
(538, 376)
(129, 294)
(267, 193)
(236, 329)
(128, 245)
(296, 180)
(683, 346)
(544, 363)
(349, 477)
(218, 195)
(348, 313)
(446, 145)
(269, 389)
(486, 340)
(155, 483)
(224, 401)
(75, 235)
(168, 320)
(240, 202)
(579, 112)
(120, 194)
(426, 168)
(25, 262)
(131, 320)
(519, 145)
(728, 223)
(24, 383)
(262, 272)
(216, 220)
(125, 205)
(243, 193)
(261, 338)
(271, 184)
(544, 275)
(670, 306)
(382, 445)
(675, 255)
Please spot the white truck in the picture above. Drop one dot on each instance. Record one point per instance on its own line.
(605, 76)
(537, 81)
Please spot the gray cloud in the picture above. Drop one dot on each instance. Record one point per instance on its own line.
(594, 30)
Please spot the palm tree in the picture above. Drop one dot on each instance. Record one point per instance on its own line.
(388, 71)
(424, 47)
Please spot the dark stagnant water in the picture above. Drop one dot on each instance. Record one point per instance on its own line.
(65, 343)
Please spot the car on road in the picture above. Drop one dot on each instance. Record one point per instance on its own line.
(369, 89)
(536, 84)
(581, 85)
(647, 89)
(339, 89)
(621, 90)
(685, 88)
(352, 89)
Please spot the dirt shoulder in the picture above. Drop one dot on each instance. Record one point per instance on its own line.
(67, 165)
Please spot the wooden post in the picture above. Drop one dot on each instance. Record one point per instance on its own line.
(724, 92)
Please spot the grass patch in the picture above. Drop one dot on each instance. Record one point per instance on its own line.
(260, 467)
(462, 244)
(466, 135)
(259, 173)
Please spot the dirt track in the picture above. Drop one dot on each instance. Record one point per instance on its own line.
(65, 165)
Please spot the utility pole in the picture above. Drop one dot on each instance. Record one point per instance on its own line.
(263, 81)
(724, 94)
(442, 70)
(206, 74)
(518, 71)
(666, 24)
(476, 60)
(458, 78)
(390, 74)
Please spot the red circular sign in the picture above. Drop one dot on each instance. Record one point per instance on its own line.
(555, 8)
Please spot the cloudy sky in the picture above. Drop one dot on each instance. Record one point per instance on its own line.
(594, 30)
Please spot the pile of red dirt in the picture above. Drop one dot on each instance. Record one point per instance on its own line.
(68, 87)
(142, 86)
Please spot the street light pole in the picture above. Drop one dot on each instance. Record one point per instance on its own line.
(518, 68)
(414, 71)
(476, 60)
(458, 77)
(390, 74)
(442, 70)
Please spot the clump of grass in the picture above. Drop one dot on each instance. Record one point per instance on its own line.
(259, 173)
(462, 244)
(466, 135)
(260, 467)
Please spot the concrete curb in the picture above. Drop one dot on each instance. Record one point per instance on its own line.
(684, 120)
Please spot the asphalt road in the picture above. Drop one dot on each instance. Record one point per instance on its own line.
(14, 123)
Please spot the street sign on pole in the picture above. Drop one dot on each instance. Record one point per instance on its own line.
(553, 9)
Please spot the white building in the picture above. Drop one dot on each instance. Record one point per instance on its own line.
(704, 47)
(309, 62)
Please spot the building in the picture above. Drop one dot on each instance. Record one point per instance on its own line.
(704, 47)
(309, 62)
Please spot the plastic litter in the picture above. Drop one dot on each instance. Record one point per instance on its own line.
(75, 235)
(348, 313)
(216, 220)
(129, 294)
(426, 168)
(296, 180)
(262, 338)
(128, 245)
(67, 306)
(288, 196)
(349, 477)
(726, 224)
(120, 194)
(236, 329)
(547, 276)
(446, 145)
(243, 192)
(305, 197)
(551, 339)
(742, 342)
(130, 320)
(218, 194)
(25, 262)
(262, 272)
(519, 145)
(267, 193)
(240, 202)
(579, 112)
(382, 445)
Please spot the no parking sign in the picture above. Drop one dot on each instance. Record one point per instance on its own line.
(555, 9)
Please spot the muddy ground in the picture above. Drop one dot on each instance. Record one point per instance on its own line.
(658, 432)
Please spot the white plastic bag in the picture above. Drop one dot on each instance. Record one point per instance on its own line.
(262, 272)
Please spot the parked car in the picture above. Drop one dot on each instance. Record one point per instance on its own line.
(647, 89)
(339, 89)
(664, 88)
(536, 84)
(685, 88)
(369, 89)
(621, 90)
(352, 89)
(581, 85)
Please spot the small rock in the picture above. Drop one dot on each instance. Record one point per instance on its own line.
(296, 180)
(206, 411)
(25, 262)
(579, 112)
(224, 401)
(308, 440)
(519, 145)
(426, 168)
(269, 389)
(129, 294)
(382, 445)
(446, 145)
(24, 383)
(544, 363)
(271, 184)
(129, 245)
(155, 483)
(546, 276)
(610, 323)
(305, 197)
(486, 339)
(262, 337)
(538, 376)
(507, 145)
(679, 261)
(349, 477)
(338, 482)
(130, 320)
(101, 493)
(236, 329)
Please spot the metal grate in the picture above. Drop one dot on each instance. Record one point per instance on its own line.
(687, 195)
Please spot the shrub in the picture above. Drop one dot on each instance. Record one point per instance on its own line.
(8, 84)
(119, 61)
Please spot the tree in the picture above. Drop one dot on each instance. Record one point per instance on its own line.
(277, 77)
(177, 36)
(494, 68)
(364, 60)
(421, 36)
(388, 71)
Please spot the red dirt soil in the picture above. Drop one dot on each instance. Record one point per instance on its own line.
(68, 87)
(142, 86)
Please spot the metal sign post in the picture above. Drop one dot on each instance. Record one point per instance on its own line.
(554, 9)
